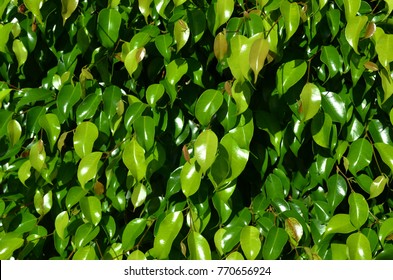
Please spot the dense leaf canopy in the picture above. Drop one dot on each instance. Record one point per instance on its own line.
(196, 129)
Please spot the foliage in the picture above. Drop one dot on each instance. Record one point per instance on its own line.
(223, 129)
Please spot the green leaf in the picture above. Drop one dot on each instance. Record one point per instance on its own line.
(61, 223)
(377, 186)
(339, 251)
(240, 47)
(190, 177)
(353, 29)
(274, 243)
(163, 44)
(258, 53)
(50, 123)
(358, 247)
(223, 12)
(175, 70)
(333, 17)
(386, 153)
(154, 93)
(337, 190)
(289, 73)
(74, 194)
(321, 127)
(237, 157)
(108, 26)
(241, 93)
(205, 149)
(14, 131)
(235, 256)
(67, 98)
(250, 242)
(334, 106)
(207, 105)
(310, 99)
(359, 155)
(294, 230)
(273, 186)
(136, 255)
(385, 54)
(133, 112)
(67, 8)
(88, 167)
(168, 229)
(85, 253)
(145, 131)
(131, 232)
(37, 156)
(139, 194)
(134, 159)
(43, 203)
(20, 52)
(358, 209)
(85, 135)
(111, 97)
(34, 6)
(339, 223)
(220, 46)
(385, 230)
(84, 234)
(160, 6)
(24, 172)
(144, 8)
(332, 59)
(197, 23)
(181, 33)
(198, 246)
(291, 14)
(91, 209)
(351, 8)
(32, 95)
(133, 58)
(9, 242)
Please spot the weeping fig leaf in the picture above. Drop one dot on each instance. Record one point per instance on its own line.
(61, 223)
(87, 168)
(359, 247)
(223, 12)
(205, 149)
(220, 46)
(310, 99)
(258, 53)
(132, 231)
(34, 6)
(386, 153)
(134, 159)
(385, 230)
(353, 29)
(291, 14)
(181, 33)
(207, 105)
(50, 123)
(175, 70)
(14, 131)
(168, 229)
(67, 8)
(108, 26)
(218, 241)
(24, 172)
(377, 186)
(138, 195)
(250, 242)
(91, 209)
(274, 243)
(136, 255)
(358, 209)
(340, 223)
(190, 177)
(198, 246)
(351, 8)
(337, 189)
(9, 243)
(20, 52)
(43, 203)
(359, 155)
(37, 156)
(289, 73)
(235, 256)
(385, 53)
(294, 230)
(144, 8)
(133, 58)
(85, 135)
(153, 93)
(85, 253)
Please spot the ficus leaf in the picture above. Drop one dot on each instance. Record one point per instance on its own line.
(310, 98)
(181, 33)
(68, 7)
(87, 168)
(258, 54)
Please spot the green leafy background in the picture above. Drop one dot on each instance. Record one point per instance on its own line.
(179, 129)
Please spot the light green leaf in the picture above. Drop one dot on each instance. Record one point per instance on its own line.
(131, 232)
(339, 251)
(207, 105)
(50, 123)
(385, 230)
(34, 6)
(358, 247)
(333, 105)
(241, 93)
(108, 26)
(20, 52)
(218, 242)
(205, 149)
(239, 45)
(385, 53)
(310, 99)
(133, 58)
(235, 256)
(359, 155)
(9, 242)
(3, 94)
(274, 243)
(340, 223)
(84, 234)
(136, 255)
(332, 59)
(175, 70)
(134, 159)
(386, 153)
(24, 172)
(144, 8)
(61, 223)
(168, 230)
(250, 242)
(321, 127)
(85, 253)
(351, 8)
(198, 246)
(291, 14)
(37, 156)
(87, 168)
(190, 177)
(289, 73)
(237, 157)
(353, 29)
(337, 190)
(294, 229)
(139, 194)
(85, 135)
(377, 186)
(387, 84)
(258, 54)
(145, 131)
(91, 209)
(43, 203)
(181, 33)
(67, 8)
(223, 12)
(358, 209)
(14, 131)
(154, 93)
(160, 6)
(74, 194)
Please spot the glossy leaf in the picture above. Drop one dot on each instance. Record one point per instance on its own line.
(378, 186)
(20, 52)
(250, 242)
(237, 157)
(68, 7)
(235, 256)
(351, 8)
(386, 229)
(133, 58)
(205, 149)
(310, 98)
(168, 229)
(332, 60)
(43, 203)
(24, 172)
(9, 243)
(358, 247)
(144, 8)
(136, 255)
(223, 11)
(37, 156)
(291, 14)
(84, 234)
(34, 6)
(207, 105)
(198, 246)
(385, 54)
(61, 223)
(258, 53)
(386, 153)
(139, 194)
(190, 177)
(274, 243)
(85, 253)
(289, 74)
(50, 123)
(14, 131)
(175, 70)
(134, 159)
(294, 229)
(87, 168)
(131, 232)
(353, 30)
(340, 223)
(359, 155)
(220, 46)
(74, 195)
(337, 189)
(85, 135)
(321, 127)
(181, 33)
(145, 132)
(91, 209)
(333, 105)
(154, 93)
(358, 209)
(108, 26)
